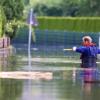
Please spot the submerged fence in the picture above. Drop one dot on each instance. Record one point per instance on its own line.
(55, 37)
(50, 43)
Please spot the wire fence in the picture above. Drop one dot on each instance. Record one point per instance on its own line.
(50, 43)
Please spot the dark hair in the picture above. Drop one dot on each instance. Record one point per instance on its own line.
(86, 39)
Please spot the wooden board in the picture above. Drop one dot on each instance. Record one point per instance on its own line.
(26, 75)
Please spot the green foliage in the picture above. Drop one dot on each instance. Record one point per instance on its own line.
(26, 2)
(79, 24)
(12, 8)
(11, 28)
(90, 8)
(68, 8)
(2, 21)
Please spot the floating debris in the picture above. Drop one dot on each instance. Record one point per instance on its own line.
(27, 75)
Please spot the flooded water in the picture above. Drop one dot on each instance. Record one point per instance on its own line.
(67, 81)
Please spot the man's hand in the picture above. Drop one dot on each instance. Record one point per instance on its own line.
(74, 48)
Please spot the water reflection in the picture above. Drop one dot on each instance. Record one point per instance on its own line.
(91, 91)
(89, 75)
(3, 58)
(8, 59)
(87, 91)
(90, 81)
(66, 83)
(60, 87)
(10, 89)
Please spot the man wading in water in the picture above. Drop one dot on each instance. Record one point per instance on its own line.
(88, 52)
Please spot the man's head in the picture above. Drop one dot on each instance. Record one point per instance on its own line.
(87, 39)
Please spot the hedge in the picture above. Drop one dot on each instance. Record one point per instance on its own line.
(76, 24)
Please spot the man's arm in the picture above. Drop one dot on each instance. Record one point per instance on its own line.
(79, 49)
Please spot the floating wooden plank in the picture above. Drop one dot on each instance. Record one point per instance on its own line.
(27, 75)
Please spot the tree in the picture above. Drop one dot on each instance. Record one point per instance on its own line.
(89, 8)
(63, 8)
(45, 10)
(2, 21)
(26, 2)
(69, 7)
(13, 10)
